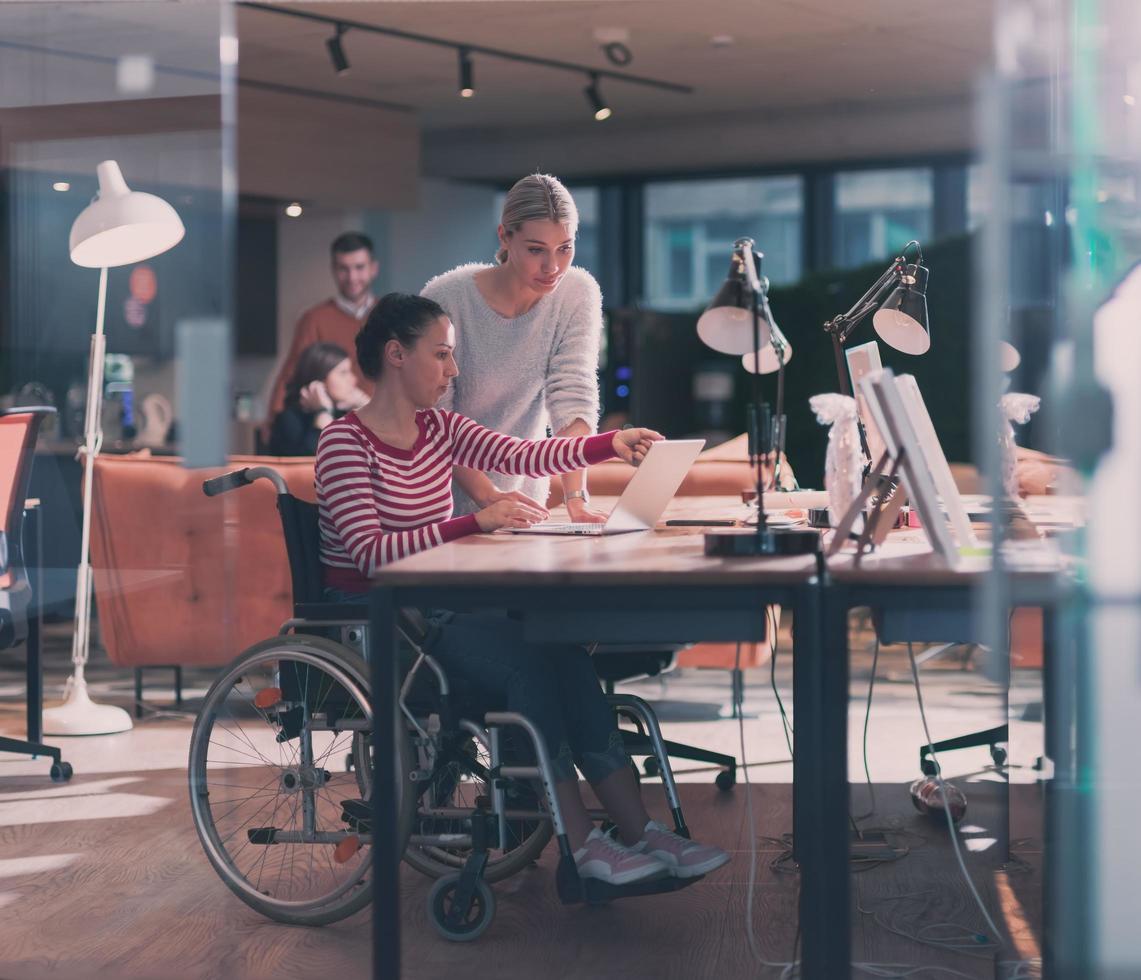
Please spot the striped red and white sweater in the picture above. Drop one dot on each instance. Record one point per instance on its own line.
(378, 503)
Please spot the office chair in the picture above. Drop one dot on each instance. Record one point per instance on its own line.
(19, 428)
(622, 663)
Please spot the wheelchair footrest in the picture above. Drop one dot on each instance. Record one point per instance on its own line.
(357, 814)
(573, 889)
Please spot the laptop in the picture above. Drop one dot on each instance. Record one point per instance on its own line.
(645, 498)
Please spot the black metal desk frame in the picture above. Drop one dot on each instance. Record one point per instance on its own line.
(616, 614)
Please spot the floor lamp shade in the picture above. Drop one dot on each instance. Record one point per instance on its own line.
(121, 226)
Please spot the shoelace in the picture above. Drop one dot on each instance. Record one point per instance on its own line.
(613, 846)
(685, 842)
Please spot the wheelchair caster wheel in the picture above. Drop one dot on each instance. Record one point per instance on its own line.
(998, 755)
(651, 767)
(61, 771)
(726, 780)
(470, 926)
(350, 763)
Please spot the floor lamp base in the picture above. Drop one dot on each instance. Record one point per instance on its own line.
(79, 715)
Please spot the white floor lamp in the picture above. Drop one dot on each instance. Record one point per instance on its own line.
(119, 227)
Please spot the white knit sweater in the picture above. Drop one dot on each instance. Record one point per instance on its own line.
(523, 375)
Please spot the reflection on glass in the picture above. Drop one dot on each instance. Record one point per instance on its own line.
(691, 226)
(880, 211)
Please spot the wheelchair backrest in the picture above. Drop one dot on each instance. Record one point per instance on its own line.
(303, 545)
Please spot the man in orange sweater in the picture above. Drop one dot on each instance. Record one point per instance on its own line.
(336, 320)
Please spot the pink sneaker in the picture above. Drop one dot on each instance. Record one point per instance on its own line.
(683, 857)
(604, 858)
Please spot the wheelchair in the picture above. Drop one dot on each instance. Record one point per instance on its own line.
(280, 766)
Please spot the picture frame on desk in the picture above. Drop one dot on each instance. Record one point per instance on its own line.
(903, 460)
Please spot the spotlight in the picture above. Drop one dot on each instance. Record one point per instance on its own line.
(293, 210)
(467, 76)
(594, 98)
(62, 186)
(337, 51)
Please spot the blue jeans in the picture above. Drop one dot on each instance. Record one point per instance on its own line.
(554, 686)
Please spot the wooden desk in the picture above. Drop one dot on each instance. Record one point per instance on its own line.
(645, 586)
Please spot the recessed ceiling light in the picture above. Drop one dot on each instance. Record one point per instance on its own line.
(721, 40)
(1129, 100)
(61, 186)
(293, 210)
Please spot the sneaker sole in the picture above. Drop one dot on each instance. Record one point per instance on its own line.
(625, 877)
(692, 870)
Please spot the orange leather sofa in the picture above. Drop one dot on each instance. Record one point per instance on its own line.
(189, 580)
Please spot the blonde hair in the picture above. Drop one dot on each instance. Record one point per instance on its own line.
(537, 197)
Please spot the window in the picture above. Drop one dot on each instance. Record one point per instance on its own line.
(691, 226)
(586, 244)
(880, 211)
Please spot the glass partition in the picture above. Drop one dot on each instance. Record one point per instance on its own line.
(117, 194)
(1057, 263)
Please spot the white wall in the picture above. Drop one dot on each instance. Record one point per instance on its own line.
(454, 223)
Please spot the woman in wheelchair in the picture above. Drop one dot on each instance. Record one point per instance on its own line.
(383, 479)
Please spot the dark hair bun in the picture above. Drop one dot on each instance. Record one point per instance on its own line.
(396, 316)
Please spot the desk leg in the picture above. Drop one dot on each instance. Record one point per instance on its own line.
(34, 663)
(1067, 855)
(382, 646)
(821, 770)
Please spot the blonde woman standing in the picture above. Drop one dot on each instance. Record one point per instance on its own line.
(528, 332)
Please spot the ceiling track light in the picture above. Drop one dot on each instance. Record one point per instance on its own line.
(600, 109)
(337, 50)
(467, 74)
(613, 41)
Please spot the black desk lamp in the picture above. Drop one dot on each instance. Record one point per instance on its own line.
(772, 357)
(899, 299)
(732, 324)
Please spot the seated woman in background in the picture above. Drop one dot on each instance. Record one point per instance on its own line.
(383, 480)
(322, 389)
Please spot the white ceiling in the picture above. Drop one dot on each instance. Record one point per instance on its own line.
(803, 79)
(788, 54)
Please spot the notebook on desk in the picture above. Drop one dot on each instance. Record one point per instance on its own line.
(645, 498)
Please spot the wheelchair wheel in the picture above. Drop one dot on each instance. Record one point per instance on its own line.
(479, 913)
(266, 790)
(460, 783)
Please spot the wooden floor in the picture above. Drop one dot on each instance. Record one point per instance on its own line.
(113, 884)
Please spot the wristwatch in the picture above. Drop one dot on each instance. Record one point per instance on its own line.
(579, 493)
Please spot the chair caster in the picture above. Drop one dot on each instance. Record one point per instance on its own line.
(651, 767)
(467, 924)
(61, 771)
(998, 756)
(726, 780)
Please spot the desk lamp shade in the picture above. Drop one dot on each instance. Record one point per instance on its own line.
(767, 355)
(901, 321)
(121, 226)
(727, 323)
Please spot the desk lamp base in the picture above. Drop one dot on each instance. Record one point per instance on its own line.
(745, 542)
